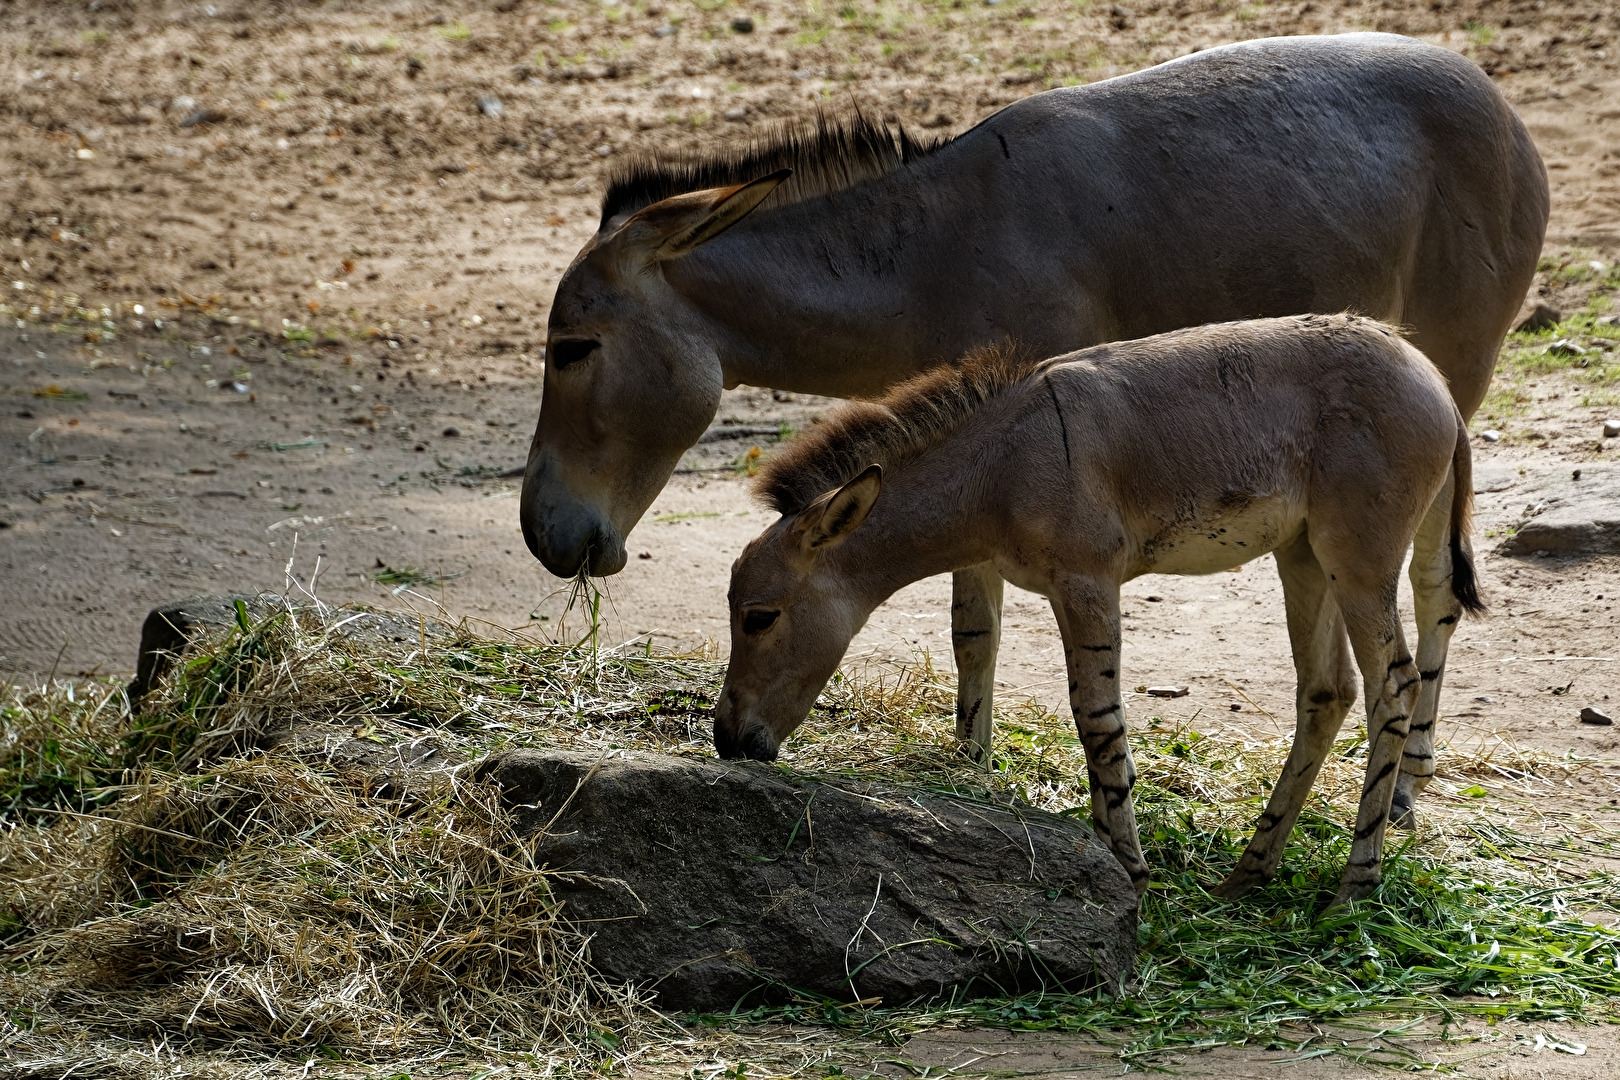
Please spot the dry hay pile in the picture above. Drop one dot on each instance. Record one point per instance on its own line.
(281, 860)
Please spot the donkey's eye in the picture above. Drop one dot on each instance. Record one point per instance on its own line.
(566, 352)
(757, 622)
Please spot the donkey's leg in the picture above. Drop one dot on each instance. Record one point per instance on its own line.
(1325, 691)
(1392, 686)
(1087, 611)
(975, 637)
(1437, 614)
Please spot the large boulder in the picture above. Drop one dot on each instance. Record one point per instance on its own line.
(712, 883)
(1567, 508)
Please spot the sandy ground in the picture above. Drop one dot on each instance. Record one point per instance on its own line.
(277, 281)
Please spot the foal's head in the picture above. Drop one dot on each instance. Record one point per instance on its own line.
(792, 617)
(796, 600)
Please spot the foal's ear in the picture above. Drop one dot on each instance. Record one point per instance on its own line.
(843, 511)
(675, 226)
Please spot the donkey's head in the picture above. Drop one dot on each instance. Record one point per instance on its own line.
(793, 614)
(632, 379)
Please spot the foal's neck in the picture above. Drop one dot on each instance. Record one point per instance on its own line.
(925, 522)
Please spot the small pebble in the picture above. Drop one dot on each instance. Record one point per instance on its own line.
(1167, 691)
(1235, 706)
(202, 116)
(1484, 699)
(491, 106)
(645, 555)
(1491, 436)
(451, 433)
(743, 25)
(664, 31)
(1611, 429)
(1590, 715)
(736, 114)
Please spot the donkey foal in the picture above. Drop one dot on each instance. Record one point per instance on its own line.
(1325, 439)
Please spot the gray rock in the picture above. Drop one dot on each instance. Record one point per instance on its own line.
(1543, 317)
(202, 116)
(1552, 507)
(714, 883)
(1611, 429)
(1590, 715)
(170, 628)
(491, 106)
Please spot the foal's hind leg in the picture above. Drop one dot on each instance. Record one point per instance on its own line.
(1326, 689)
(1392, 684)
(975, 638)
(1437, 614)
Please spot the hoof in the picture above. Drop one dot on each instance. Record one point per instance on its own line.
(1238, 885)
(1401, 813)
(1349, 894)
(973, 751)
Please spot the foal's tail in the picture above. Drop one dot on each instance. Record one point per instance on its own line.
(1464, 583)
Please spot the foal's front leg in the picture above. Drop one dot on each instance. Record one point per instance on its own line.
(1087, 611)
(975, 638)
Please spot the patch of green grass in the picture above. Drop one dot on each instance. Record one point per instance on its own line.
(457, 32)
(408, 577)
(58, 753)
(668, 518)
(1480, 34)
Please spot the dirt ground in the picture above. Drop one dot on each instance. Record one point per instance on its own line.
(277, 278)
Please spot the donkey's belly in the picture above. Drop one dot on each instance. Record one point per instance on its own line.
(1218, 541)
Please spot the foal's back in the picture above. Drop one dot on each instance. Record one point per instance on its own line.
(1196, 450)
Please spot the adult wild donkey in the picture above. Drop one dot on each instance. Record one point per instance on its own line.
(1325, 439)
(1366, 172)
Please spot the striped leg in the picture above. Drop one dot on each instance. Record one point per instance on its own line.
(1437, 614)
(1392, 686)
(1088, 615)
(975, 638)
(1324, 692)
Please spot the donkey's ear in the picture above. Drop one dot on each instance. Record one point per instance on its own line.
(843, 511)
(675, 226)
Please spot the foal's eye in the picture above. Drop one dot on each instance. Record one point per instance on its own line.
(757, 622)
(566, 352)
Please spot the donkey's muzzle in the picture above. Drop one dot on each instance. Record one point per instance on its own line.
(566, 534)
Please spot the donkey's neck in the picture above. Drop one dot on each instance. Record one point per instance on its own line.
(826, 296)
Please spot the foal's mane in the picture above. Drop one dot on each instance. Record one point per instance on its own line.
(899, 426)
(826, 156)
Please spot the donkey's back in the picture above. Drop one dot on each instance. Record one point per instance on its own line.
(1364, 172)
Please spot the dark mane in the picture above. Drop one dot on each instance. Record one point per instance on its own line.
(829, 155)
(908, 420)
